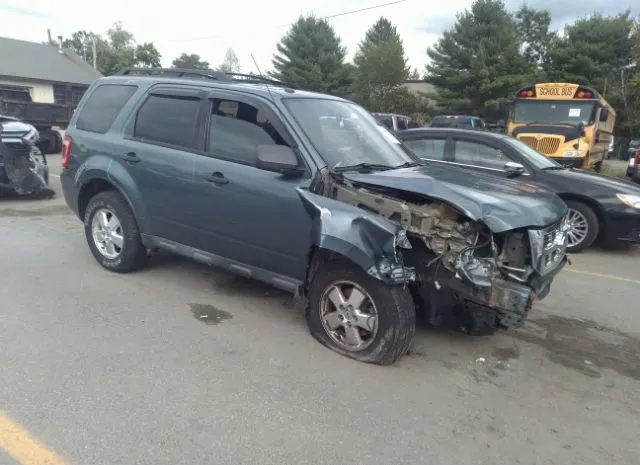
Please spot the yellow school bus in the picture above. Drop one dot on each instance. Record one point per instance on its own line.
(570, 123)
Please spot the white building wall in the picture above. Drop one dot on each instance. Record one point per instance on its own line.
(40, 92)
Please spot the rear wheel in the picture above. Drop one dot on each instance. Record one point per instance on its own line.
(358, 316)
(583, 226)
(112, 233)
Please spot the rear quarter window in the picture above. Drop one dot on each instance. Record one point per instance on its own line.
(103, 106)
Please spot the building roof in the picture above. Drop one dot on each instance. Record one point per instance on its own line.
(31, 60)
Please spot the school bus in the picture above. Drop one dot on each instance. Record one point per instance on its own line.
(570, 123)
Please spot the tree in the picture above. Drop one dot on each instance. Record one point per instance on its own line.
(310, 55)
(415, 75)
(231, 63)
(381, 68)
(592, 48)
(115, 51)
(477, 64)
(192, 61)
(533, 29)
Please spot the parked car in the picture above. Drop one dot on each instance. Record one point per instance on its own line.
(267, 182)
(634, 146)
(396, 122)
(633, 166)
(458, 121)
(600, 207)
(23, 168)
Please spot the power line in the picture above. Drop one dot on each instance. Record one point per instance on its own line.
(344, 13)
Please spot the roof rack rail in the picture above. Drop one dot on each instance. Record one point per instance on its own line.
(203, 73)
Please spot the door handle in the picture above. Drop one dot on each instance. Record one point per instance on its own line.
(216, 178)
(131, 157)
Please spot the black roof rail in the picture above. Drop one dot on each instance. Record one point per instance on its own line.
(203, 73)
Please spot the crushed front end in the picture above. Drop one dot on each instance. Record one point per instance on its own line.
(465, 274)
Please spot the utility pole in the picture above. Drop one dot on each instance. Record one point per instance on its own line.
(93, 47)
(49, 35)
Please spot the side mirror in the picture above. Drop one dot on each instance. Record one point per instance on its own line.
(278, 158)
(604, 114)
(513, 169)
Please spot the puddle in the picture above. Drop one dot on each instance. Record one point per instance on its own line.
(584, 345)
(209, 314)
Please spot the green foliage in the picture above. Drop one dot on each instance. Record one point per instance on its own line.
(381, 70)
(191, 61)
(591, 49)
(115, 51)
(231, 63)
(311, 56)
(532, 27)
(477, 63)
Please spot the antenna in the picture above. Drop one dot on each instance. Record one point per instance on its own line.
(262, 76)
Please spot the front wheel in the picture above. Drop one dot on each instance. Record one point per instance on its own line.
(583, 226)
(359, 316)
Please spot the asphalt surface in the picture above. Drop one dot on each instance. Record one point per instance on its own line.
(182, 364)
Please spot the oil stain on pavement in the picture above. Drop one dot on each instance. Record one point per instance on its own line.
(209, 314)
(584, 345)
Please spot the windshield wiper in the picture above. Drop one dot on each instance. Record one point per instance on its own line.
(410, 164)
(362, 166)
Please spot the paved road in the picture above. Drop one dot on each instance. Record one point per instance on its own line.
(106, 369)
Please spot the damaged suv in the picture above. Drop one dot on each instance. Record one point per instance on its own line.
(308, 193)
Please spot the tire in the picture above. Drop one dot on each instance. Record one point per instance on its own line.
(396, 314)
(592, 225)
(132, 255)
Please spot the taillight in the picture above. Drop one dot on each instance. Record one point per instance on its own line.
(66, 151)
(637, 157)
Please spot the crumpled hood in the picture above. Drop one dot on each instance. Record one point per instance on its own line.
(502, 204)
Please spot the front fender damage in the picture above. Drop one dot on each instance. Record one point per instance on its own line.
(367, 239)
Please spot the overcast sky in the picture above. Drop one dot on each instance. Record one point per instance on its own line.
(252, 27)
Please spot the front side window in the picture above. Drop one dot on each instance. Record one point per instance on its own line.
(237, 129)
(432, 149)
(532, 155)
(482, 155)
(168, 120)
(356, 139)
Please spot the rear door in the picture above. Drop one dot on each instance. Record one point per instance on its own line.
(162, 138)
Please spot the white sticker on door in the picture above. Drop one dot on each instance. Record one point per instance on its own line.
(574, 112)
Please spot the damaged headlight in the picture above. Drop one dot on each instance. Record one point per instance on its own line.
(548, 246)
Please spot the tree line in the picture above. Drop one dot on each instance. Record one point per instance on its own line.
(477, 64)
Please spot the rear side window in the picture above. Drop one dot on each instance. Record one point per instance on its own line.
(402, 123)
(102, 107)
(168, 120)
(412, 124)
(386, 120)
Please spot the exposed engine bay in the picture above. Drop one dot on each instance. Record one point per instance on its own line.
(465, 274)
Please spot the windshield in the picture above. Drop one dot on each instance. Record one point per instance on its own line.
(345, 134)
(451, 122)
(534, 157)
(571, 111)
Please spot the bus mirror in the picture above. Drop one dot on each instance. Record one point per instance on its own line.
(604, 114)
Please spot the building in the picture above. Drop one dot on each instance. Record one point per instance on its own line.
(420, 87)
(30, 71)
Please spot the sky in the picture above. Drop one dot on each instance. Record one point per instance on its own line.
(209, 28)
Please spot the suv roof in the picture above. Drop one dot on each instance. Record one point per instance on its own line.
(259, 85)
